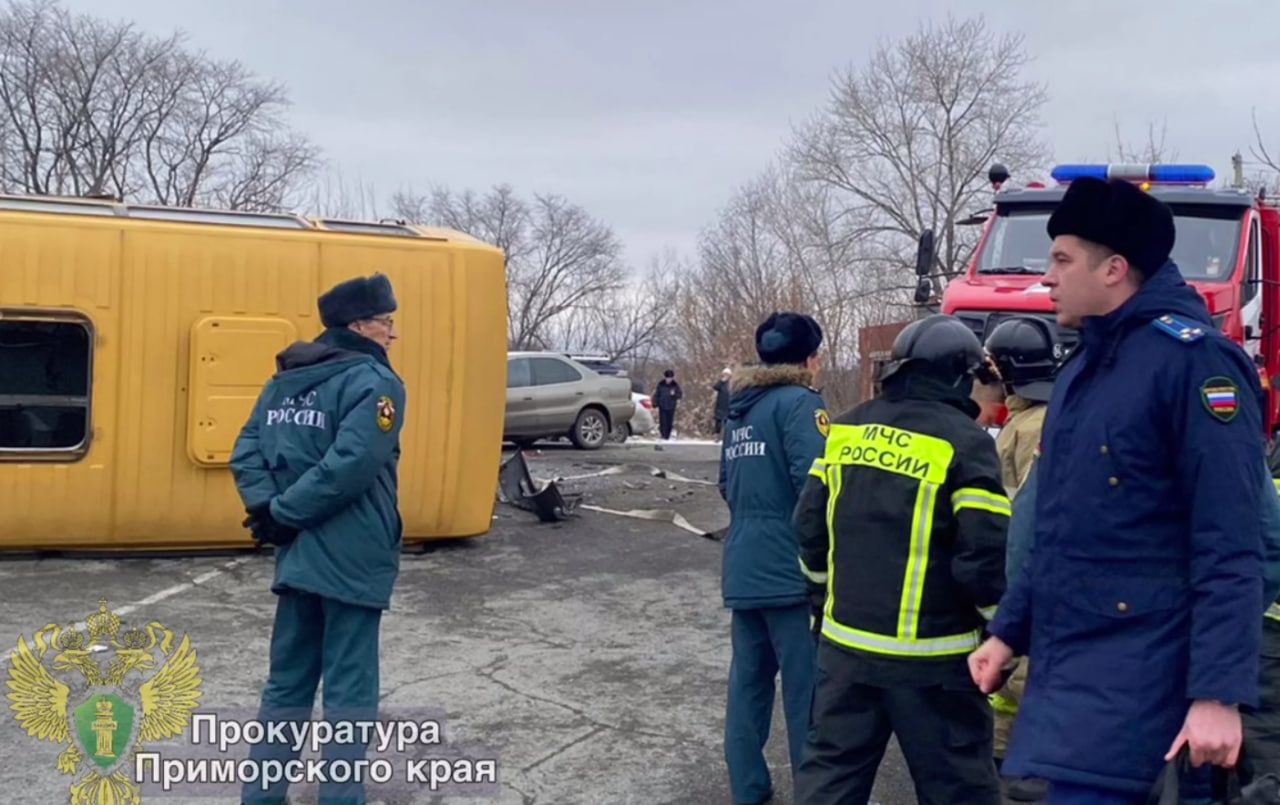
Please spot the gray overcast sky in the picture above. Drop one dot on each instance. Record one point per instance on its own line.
(650, 114)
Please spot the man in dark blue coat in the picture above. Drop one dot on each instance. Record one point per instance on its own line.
(777, 426)
(1138, 605)
(316, 468)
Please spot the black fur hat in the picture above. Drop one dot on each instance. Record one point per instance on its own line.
(1117, 215)
(788, 338)
(356, 299)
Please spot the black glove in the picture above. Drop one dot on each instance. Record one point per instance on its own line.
(265, 528)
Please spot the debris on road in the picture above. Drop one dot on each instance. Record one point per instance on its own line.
(652, 471)
(516, 487)
(660, 515)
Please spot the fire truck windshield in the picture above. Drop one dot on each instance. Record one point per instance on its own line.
(1205, 248)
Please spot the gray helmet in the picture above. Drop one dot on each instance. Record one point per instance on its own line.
(941, 345)
(1023, 348)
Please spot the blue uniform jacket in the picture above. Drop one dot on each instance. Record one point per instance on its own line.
(776, 428)
(1022, 531)
(1143, 587)
(323, 444)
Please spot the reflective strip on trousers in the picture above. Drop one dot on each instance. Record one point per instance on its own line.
(1273, 612)
(886, 644)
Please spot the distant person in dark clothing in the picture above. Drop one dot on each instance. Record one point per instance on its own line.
(722, 399)
(665, 397)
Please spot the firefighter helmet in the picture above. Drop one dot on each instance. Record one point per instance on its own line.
(942, 346)
(1023, 349)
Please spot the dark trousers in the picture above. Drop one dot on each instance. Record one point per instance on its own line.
(764, 642)
(944, 733)
(1070, 794)
(317, 638)
(1261, 755)
(666, 421)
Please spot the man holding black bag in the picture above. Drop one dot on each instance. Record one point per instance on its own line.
(316, 467)
(1138, 603)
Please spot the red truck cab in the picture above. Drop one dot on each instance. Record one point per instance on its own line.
(1227, 247)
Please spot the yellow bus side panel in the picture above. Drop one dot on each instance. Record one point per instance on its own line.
(170, 281)
(44, 265)
(451, 354)
(155, 475)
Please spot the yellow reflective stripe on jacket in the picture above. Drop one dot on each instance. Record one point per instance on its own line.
(972, 498)
(904, 452)
(835, 481)
(1003, 705)
(898, 647)
(987, 613)
(1273, 612)
(819, 470)
(1276, 481)
(917, 561)
(813, 576)
(924, 458)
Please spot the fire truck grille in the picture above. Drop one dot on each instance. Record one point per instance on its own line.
(982, 323)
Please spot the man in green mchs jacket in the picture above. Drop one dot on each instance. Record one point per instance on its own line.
(316, 467)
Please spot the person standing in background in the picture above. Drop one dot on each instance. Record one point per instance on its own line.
(777, 426)
(1024, 351)
(721, 389)
(665, 398)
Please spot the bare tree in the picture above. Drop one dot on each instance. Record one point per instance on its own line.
(498, 217)
(907, 140)
(1268, 177)
(782, 243)
(559, 259)
(90, 106)
(627, 325)
(333, 195)
(1155, 149)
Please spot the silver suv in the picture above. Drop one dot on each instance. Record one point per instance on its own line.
(549, 395)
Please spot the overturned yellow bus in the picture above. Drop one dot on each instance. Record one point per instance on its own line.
(134, 341)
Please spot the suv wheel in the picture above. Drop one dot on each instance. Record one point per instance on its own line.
(590, 429)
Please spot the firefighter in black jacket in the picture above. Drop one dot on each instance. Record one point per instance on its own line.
(902, 526)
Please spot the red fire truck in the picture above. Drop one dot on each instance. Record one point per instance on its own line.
(1227, 247)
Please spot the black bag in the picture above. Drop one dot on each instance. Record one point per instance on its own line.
(1226, 785)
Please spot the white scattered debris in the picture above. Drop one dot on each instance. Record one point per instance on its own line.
(649, 442)
(660, 515)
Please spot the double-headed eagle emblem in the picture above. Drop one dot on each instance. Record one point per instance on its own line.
(105, 694)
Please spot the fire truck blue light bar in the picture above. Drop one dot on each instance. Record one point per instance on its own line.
(1156, 174)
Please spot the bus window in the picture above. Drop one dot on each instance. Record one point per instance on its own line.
(44, 401)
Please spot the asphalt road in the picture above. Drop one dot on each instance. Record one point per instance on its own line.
(588, 658)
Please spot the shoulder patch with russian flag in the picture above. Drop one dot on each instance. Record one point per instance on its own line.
(1221, 397)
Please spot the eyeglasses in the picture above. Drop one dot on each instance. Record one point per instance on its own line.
(387, 320)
